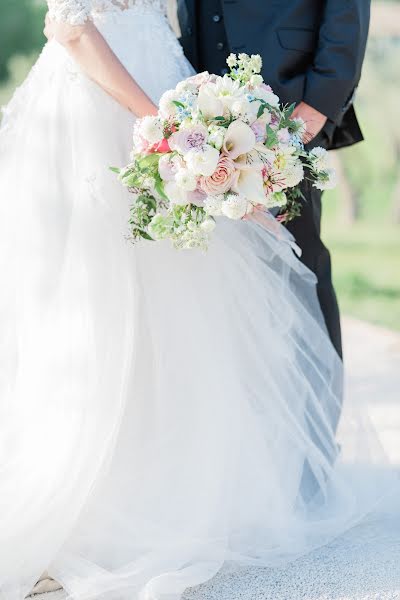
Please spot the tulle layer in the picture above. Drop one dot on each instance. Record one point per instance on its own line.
(162, 412)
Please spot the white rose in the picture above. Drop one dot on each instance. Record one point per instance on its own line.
(213, 205)
(208, 225)
(151, 129)
(203, 161)
(185, 180)
(234, 207)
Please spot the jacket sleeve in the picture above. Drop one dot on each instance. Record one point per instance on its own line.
(71, 12)
(334, 75)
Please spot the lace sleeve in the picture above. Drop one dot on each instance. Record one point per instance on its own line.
(73, 12)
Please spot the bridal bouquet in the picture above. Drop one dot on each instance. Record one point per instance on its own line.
(219, 146)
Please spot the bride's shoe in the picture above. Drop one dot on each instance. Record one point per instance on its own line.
(45, 584)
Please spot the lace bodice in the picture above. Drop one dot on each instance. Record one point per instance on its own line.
(77, 12)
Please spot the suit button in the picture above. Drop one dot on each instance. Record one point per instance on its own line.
(220, 46)
(216, 18)
(189, 31)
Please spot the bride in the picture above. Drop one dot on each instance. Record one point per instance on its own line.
(162, 412)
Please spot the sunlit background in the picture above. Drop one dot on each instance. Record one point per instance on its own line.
(361, 221)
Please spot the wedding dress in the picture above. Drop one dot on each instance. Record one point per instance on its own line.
(161, 412)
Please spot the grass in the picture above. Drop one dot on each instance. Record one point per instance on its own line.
(366, 271)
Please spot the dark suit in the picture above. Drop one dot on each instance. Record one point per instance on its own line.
(313, 51)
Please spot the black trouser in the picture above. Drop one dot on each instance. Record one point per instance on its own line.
(307, 232)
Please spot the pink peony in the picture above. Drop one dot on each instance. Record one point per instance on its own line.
(222, 179)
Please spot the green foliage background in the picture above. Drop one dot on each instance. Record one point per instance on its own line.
(366, 252)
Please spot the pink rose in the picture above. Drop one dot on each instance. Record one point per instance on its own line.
(222, 178)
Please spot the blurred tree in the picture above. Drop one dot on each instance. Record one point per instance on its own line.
(21, 25)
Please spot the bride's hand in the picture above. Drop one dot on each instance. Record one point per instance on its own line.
(148, 109)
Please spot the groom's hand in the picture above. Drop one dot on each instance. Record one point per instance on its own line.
(313, 119)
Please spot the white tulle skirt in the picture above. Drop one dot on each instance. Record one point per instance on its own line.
(161, 412)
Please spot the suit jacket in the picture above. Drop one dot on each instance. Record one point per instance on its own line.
(312, 50)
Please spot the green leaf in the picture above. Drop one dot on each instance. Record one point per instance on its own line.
(260, 111)
(178, 103)
(150, 160)
(272, 138)
(290, 110)
(145, 235)
(115, 170)
(159, 187)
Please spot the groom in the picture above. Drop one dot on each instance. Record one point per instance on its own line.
(312, 54)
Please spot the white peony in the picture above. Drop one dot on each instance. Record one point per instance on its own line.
(203, 161)
(213, 205)
(234, 206)
(151, 129)
(320, 159)
(185, 180)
